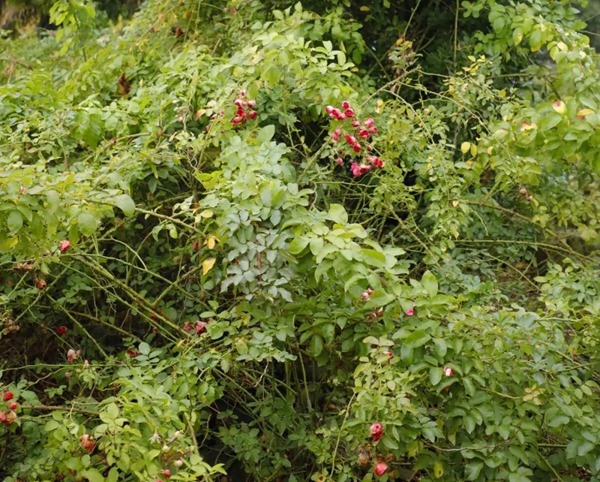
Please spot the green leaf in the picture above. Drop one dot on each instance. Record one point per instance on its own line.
(558, 421)
(266, 133)
(126, 204)
(144, 348)
(87, 224)
(316, 345)
(298, 245)
(93, 475)
(469, 423)
(585, 448)
(417, 339)
(266, 196)
(430, 283)
(441, 347)
(113, 475)
(373, 258)
(435, 375)
(14, 221)
(316, 245)
(473, 469)
(338, 214)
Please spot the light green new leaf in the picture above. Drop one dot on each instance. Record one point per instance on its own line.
(126, 204)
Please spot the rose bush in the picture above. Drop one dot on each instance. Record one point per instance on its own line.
(319, 242)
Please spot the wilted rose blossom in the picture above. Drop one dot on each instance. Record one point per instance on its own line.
(200, 327)
(40, 283)
(64, 245)
(86, 443)
(61, 330)
(448, 372)
(366, 294)
(410, 312)
(376, 314)
(72, 355)
(376, 431)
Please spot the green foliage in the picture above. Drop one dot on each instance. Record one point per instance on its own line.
(194, 284)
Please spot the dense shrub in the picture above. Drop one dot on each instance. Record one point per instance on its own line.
(323, 242)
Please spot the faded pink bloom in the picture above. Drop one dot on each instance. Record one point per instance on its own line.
(376, 431)
(410, 312)
(359, 169)
(64, 246)
(448, 372)
(87, 443)
(376, 314)
(72, 355)
(366, 294)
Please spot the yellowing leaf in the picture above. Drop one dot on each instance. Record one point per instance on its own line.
(207, 213)
(210, 242)
(465, 147)
(364, 8)
(207, 265)
(583, 113)
(559, 106)
(438, 469)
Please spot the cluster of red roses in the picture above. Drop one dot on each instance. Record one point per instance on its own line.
(9, 415)
(245, 109)
(357, 135)
(376, 431)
